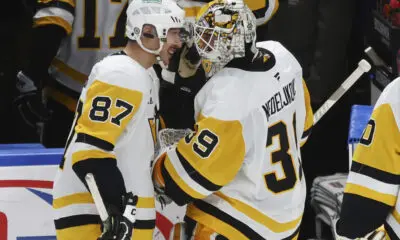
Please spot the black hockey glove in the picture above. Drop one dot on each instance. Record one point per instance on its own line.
(29, 102)
(186, 60)
(120, 226)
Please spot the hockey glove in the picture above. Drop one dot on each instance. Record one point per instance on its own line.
(186, 60)
(378, 234)
(120, 226)
(158, 181)
(29, 102)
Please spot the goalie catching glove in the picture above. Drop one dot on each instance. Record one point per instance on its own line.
(120, 226)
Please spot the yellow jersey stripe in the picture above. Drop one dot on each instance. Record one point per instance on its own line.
(259, 217)
(70, 2)
(69, 71)
(61, 98)
(77, 198)
(396, 215)
(88, 231)
(53, 20)
(178, 180)
(214, 223)
(371, 194)
(146, 202)
(142, 234)
(90, 154)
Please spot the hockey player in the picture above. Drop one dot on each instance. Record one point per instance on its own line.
(178, 90)
(240, 170)
(371, 196)
(113, 134)
(69, 37)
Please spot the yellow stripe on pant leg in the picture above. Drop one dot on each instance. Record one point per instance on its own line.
(85, 232)
(145, 234)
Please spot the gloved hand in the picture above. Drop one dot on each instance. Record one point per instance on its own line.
(378, 234)
(158, 180)
(29, 102)
(186, 60)
(161, 197)
(120, 226)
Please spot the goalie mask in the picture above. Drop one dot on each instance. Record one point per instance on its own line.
(223, 31)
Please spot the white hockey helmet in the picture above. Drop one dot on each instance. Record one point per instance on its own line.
(162, 14)
(223, 30)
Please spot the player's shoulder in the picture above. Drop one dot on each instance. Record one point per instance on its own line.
(122, 71)
(388, 105)
(391, 93)
(224, 96)
(390, 98)
(281, 54)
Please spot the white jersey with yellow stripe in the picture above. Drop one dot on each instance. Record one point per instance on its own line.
(262, 9)
(115, 120)
(95, 29)
(375, 169)
(242, 166)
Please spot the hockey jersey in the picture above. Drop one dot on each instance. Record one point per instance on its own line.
(96, 29)
(375, 169)
(115, 120)
(240, 171)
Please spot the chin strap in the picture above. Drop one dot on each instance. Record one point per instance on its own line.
(161, 63)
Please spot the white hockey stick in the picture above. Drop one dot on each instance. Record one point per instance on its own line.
(363, 67)
(98, 201)
(376, 60)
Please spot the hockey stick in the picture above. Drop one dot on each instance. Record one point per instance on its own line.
(98, 201)
(376, 60)
(363, 67)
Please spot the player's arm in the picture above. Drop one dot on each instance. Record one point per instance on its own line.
(309, 116)
(373, 183)
(202, 162)
(264, 10)
(52, 22)
(102, 119)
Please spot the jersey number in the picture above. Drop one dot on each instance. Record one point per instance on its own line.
(89, 39)
(281, 156)
(100, 110)
(205, 143)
